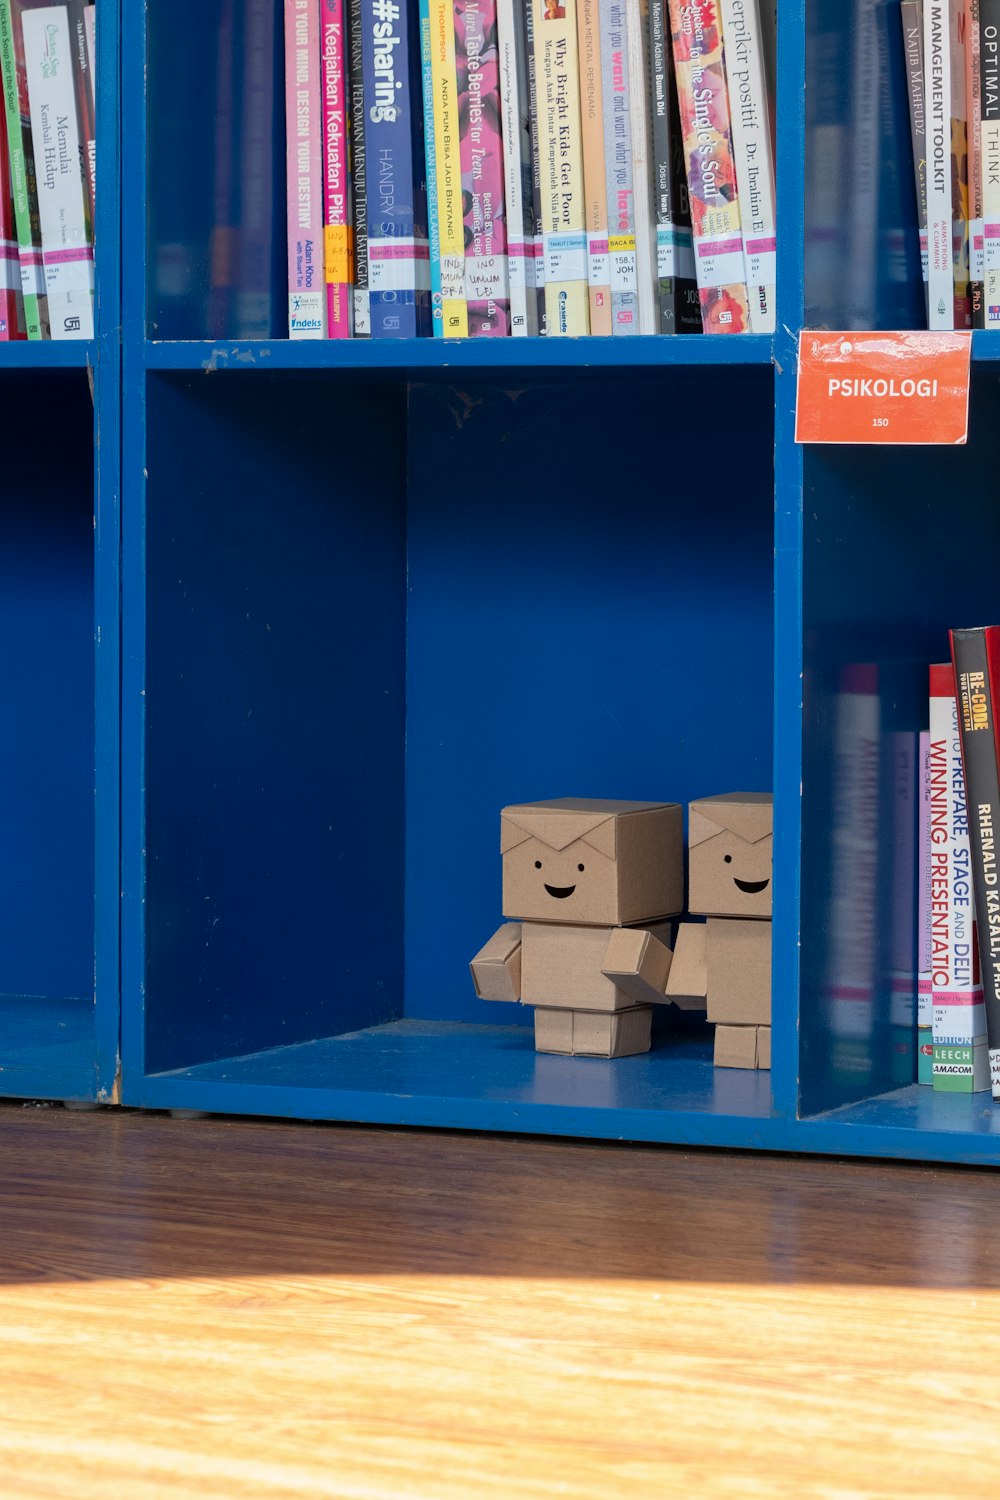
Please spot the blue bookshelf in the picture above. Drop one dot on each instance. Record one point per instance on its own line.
(59, 807)
(372, 592)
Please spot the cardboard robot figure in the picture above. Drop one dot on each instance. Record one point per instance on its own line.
(725, 963)
(590, 884)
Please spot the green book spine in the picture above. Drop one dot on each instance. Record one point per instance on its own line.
(22, 171)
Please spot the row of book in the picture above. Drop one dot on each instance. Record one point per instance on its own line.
(952, 50)
(494, 168)
(47, 170)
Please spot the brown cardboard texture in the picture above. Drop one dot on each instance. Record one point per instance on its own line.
(687, 982)
(730, 846)
(564, 966)
(736, 1047)
(580, 1034)
(496, 968)
(739, 971)
(763, 1046)
(591, 861)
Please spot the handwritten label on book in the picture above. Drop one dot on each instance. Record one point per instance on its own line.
(883, 387)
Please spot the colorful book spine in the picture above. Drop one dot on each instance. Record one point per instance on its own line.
(359, 175)
(958, 1015)
(337, 247)
(989, 150)
(22, 171)
(973, 111)
(63, 214)
(618, 167)
(711, 174)
(937, 104)
(516, 133)
(976, 659)
(538, 233)
(11, 298)
(925, 1001)
(398, 269)
(561, 140)
(637, 25)
(594, 178)
(678, 292)
(913, 50)
(477, 67)
(753, 154)
(430, 156)
(306, 285)
(444, 170)
(959, 168)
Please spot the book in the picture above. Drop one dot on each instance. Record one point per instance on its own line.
(973, 111)
(444, 174)
(85, 102)
(958, 1016)
(11, 298)
(594, 176)
(925, 1003)
(637, 26)
(63, 210)
(487, 295)
(959, 167)
(534, 132)
(358, 174)
(561, 147)
(696, 38)
(989, 149)
(338, 255)
(617, 95)
(258, 248)
(911, 17)
(398, 253)
(679, 310)
(753, 154)
(937, 113)
(976, 659)
(21, 159)
(303, 113)
(516, 134)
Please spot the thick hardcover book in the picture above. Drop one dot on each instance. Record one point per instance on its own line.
(516, 132)
(753, 153)
(973, 111)
(303, 127)
(913, 51)
(989, 147)
(444, 174)
(617, 88)
(959, 167)
(477, 66)
(958, 1016)
(711, 172)
(975, 656)
(637, 24)
(398, 269)
(22, 171)
(594, 178)
(937, 106)
(338, 257)
(63, 209)
(358, 174)
(561, 142)
(538, 234)
(925, 1002)
(678, 292)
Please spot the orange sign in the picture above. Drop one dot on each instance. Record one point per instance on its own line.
(883, 387)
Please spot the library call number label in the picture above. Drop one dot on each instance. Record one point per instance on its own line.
(883, 387)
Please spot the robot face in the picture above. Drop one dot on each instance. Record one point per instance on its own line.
(730, 855)
(574, 884)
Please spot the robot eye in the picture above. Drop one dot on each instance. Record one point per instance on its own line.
(580, 868)
(729, 859)
(538, 864)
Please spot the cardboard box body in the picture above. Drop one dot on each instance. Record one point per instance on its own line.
(561, 966)
(592, 862)
(739, 971)
(730, 849)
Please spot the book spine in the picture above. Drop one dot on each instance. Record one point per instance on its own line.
(989, 151)
(337, 246)
(255, 241)
(398, 269)
(748, 102)
(516, 133)
(358, 173)
(451, 318)
(11, 298)
(674, 255)
(975, 659)
(937, 102)
(84, 105)
(477, 65)
(637, 24)
(306, 290)
(618, 167)
(67, 255)
(430, 157)
(973, 110)
(715, 211)
(594, 178)
(959, 168)
(22, 171)
(958, 1016)
(913, 50)
(560, 138)
(538, 236)
(925, 1001)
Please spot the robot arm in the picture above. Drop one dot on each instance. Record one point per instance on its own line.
(687, 984)
(496, 969)
(638, 963)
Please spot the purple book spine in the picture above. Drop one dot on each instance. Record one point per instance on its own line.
(477, 64)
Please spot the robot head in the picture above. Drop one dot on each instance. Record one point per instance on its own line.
(730, 846)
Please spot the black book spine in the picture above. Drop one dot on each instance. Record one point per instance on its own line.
(680, 310)
(536, 164)
(976, 724)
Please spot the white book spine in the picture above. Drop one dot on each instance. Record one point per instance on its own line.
(642, 167)
(616, 93)
(753, 155)
(67, 257)
(937, 96)
(515, 130)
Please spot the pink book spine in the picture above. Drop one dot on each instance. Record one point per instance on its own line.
(477, 65)
(336, 186)
(303, 123)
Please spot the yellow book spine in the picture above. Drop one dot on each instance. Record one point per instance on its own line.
(448, 170)
(557, 74)
(595, 186)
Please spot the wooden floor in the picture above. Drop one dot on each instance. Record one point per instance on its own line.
(231, 1309)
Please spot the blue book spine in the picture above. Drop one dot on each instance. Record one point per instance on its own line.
(430, 158)
(398, 270)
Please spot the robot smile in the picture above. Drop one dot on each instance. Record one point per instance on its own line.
(751, 887)
(560, 891)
